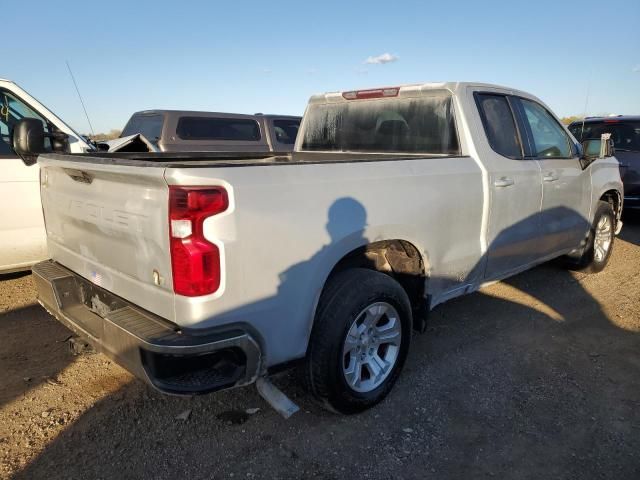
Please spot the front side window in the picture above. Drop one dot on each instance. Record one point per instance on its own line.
(499, 124)
(212, 128)
(423, 125)
(12, 110)
(549, 138)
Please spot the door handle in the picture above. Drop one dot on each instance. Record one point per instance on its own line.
(550, 177)
(503, 182)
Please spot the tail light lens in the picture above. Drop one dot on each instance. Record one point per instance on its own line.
(195, 262)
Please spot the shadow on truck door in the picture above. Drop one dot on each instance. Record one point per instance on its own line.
(529, 376)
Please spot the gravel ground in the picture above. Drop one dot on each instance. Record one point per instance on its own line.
(535, 377)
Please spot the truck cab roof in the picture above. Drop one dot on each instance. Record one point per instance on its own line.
(413, 89)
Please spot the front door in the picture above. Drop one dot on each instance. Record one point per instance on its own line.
(22, 233)
(566, 193)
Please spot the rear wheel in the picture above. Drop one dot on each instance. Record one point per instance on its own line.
(595, 255)
(360, 340)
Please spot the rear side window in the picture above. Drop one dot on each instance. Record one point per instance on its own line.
(212, 128)
(412, 125)
(150, 126)
(286, 131)
(499, 125)
(625, 135)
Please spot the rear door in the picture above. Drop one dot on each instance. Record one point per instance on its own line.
(514, 188)
(566, 194)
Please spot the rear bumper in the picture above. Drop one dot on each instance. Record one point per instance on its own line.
(150, 347)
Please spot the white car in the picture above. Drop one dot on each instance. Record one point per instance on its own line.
(22, 234)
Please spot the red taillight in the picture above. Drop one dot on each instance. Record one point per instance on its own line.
(376, 93)
(195, 262)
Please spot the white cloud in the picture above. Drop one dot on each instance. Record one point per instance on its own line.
(381, 59)
(636, 69)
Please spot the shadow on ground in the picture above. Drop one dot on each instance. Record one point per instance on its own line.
(530, 378)
(33, 350)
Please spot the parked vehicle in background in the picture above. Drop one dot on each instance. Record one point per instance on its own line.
(185, 131)
(199, 272)
(625, 133)
(22, 235)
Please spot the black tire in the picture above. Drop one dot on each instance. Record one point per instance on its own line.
(586, 260)
(343, 300)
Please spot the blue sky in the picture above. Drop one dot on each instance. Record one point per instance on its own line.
(270, 57)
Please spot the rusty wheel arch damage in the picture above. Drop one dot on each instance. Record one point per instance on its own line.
(400, 260)
(614, 197)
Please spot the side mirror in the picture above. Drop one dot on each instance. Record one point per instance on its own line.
(27, 140)
(596, 148)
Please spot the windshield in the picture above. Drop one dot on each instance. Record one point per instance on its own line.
(411, 125)
(150, 126)
(12, 110)
(625, 134)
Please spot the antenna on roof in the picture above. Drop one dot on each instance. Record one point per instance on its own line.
(80, 97)
(586, 102)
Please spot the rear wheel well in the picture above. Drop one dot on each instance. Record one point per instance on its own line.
(399, 259)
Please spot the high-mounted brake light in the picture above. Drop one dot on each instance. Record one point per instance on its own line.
(375, 93)
(195, 262)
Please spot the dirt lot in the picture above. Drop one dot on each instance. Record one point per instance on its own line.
(535, 377)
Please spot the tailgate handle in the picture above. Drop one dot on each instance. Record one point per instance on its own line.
(79, 175)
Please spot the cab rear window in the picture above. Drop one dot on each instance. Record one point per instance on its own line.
(212, 128)
(405, 125)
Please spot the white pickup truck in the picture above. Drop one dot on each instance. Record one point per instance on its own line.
(199, 272)
(22, 235)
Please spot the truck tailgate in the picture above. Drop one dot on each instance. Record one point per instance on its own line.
(109, 224)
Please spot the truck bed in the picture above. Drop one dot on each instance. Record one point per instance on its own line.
(284, 228)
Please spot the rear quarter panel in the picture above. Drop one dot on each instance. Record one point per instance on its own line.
(288, 225)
